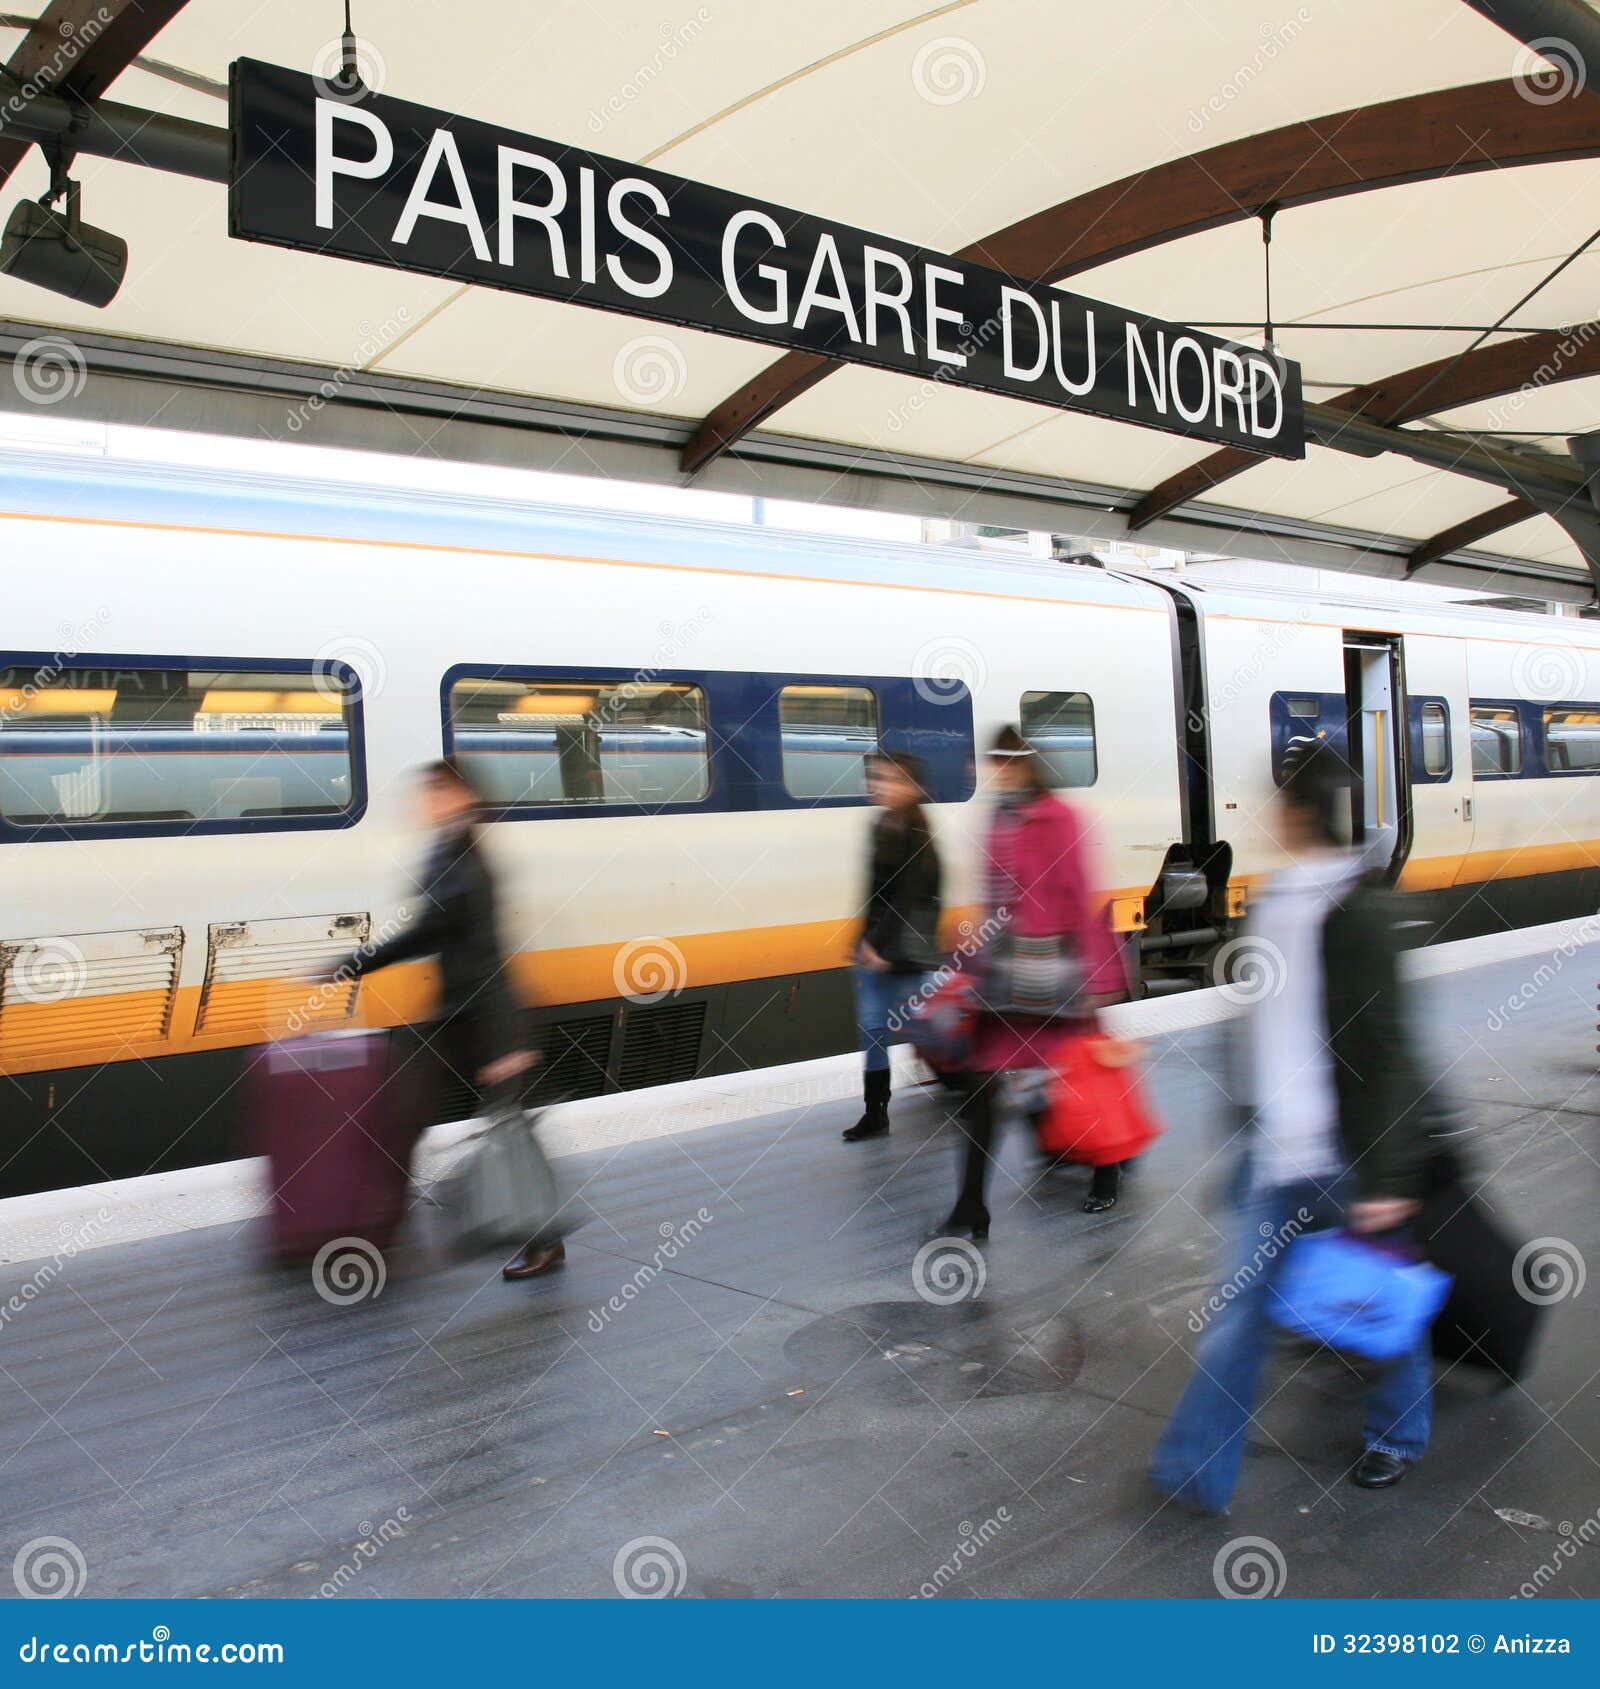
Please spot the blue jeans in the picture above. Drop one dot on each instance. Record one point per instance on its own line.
(881, 997)
(1197, 1458)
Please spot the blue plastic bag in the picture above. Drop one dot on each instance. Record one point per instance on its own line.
(1351, 1293)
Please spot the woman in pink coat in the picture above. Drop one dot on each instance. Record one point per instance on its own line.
(1049, 965)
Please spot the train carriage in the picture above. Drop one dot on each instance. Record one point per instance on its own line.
(212, 688)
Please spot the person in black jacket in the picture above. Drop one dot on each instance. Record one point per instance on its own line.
(475, 1037)
(899, 941)
(1335, 1130)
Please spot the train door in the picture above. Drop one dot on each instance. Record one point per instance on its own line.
(1439, 775)
(1375, 719)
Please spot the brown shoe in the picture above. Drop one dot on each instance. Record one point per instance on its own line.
(533, 1261)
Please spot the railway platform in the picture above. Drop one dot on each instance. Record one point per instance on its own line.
(739, 1386)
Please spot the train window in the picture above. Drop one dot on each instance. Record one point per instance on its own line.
(1572, 740)
(1060, 728)
(84, 747)
(1435, 739)
(1496, 739)
(828, 733)
(555, 741)
(1306, 708)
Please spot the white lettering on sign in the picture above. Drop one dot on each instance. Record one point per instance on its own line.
(331, 164)
(874, 258)
(442, 149)
(620, 221)
(778, 312)
(812, 295)
(1051, 343)
(447, 196)
(1265, 372)
(512, 160)
(1155, 376)
(939, 314)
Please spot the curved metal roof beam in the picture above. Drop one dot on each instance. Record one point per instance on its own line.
(1463, 534)
(1448, 132)
(1505, 367)
(80, 47)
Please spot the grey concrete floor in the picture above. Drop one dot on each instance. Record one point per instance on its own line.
(778, 1405)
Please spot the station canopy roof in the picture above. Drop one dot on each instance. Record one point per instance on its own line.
(1427, 168)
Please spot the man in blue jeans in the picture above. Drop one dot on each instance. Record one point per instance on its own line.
(1334, 1134)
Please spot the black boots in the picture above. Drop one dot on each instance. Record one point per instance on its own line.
(1104, 1190)
(874, 1121)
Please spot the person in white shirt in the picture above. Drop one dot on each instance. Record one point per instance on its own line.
(1334, 1133)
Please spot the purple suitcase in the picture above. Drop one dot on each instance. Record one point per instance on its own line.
(337, 1142)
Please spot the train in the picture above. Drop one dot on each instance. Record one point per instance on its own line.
(214, 687)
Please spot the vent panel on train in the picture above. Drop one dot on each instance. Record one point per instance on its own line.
(87, 995)
(660, 1044)
(260, 974)
(575, 1057)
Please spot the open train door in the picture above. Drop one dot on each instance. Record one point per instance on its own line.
(1374, 683)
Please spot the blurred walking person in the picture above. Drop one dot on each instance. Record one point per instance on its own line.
(1333, 1130)
(899, 941)
(475, 1038)
(1050, 966)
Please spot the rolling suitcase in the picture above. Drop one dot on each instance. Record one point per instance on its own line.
(1487, 1320)
(337, 1142)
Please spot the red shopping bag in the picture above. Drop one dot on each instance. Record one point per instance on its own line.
(1097, 1112)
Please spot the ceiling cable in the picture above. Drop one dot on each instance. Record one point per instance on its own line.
(1538, 287)
(349, 55)
(1266, 214)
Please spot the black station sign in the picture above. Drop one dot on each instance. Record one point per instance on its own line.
(388, 182)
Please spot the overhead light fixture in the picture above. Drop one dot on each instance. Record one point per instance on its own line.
(58, 250)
